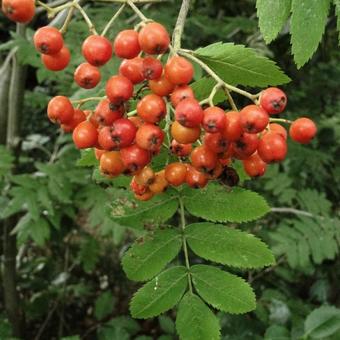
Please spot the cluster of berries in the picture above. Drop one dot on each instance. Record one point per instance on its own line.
(204, 138)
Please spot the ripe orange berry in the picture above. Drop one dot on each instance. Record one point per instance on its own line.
(175, 173)
(48, 40)
(154, 38)
(185, 135)
(58, 61)
(85, 135)
(19, 10)
(179, 71)
(60, 110)
(302, 130)
(87, 76)
(111, 164)
(160, 183)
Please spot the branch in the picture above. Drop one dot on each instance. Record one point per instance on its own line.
(178, 31)
(294, 211)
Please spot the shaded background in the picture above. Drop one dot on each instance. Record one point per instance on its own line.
(69, 275)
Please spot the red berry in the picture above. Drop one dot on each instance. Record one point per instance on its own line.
(105, 139)
(274, 127)
(87, 76)
(245, 146)
(272, 148)
(60, 110)
(162, 86)
(119, 89)
(137, 121)
(214, 119)
(152, 68)
(85, 135)
(111, 164)
(175, 173)
(216, 142)
(273, 100)
(233, 129)
(195, 179)
(106, 113)
(145, 177)
(97, 50)
(151, 108)
(154, 38)
(126, 44)
(184, 135)
(180, 93)
(19, 10)
(48, 40)
(123, 133)
(189, 113)
(137, 188)
(254, 166)
(253, 119)
(302, 130)
(203, 159)
(132, 69)
(179, 71)
(135, 158)
(149, 137)
(99, 153)
(58, 61)
(78, 117)
(180, 150)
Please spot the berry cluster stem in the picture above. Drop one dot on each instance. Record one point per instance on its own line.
(115, 16)
(137, 11)
(178, 31)
(185, 247)
(280, 120)
(86, 18)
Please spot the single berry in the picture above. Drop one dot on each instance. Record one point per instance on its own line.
(152, 68)
(184, 135)
(272, 148)
(162, 86)
(273, 100)
(214, 119)
(58, 61)
(119, 89)
(203, 159)
(179, 71)
(48, 40)
(97, 50)
(195, 179)
(19, 10)
(60, 110)
(216, 142)
(78, 117)
(189, 113)
(160, 183)
(154, 38)
(253, 119)
(87, 76)
(149, 137)
(106, 113)
(245, 146)
(151, 108)
(180, 93)
(254, 166)
(132, 69)
(135, 158)
(175, 173)
(302, 130)
(111, 164)
(126, 45)
(85, 135)
(233, 128)
(180, 150)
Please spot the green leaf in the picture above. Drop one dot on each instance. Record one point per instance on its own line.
(151, 253)
(40, 231)
(195, 320)
(89, 254)
(215, 203)
(239, 65)
(272, 16)
(277, 332)
(322, 322)
(127, 211)
(87, 158)
(307, 27)
(228, 246)
(222, 290)
(160, 294)
(166, 324)
(104, 305)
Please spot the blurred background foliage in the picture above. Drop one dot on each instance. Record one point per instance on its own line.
(69, 274)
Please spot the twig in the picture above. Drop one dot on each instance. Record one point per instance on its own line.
(293, 211)
(230, 99)
(178, 31)
(88, 21)
(116, 15)
(280, 120)
(47, 319)
(137, 11)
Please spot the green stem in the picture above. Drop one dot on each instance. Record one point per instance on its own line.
(115, 16)
(86, 18)
(185, 247)
(137, 11)
(230, 99)
(280, 120)
(85, 100)
(67, 20)
(178, 31)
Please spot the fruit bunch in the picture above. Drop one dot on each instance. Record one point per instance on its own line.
(205, 139)
(201, 138)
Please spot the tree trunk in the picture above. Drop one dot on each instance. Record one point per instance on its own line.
(15, 101)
